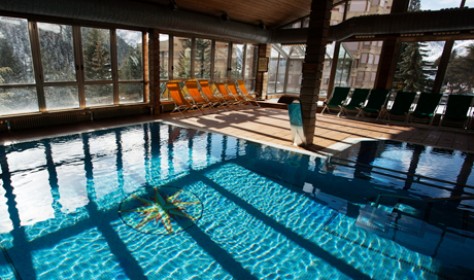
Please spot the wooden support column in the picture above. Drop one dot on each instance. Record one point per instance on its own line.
(443, 66)
(313, 64)
(261, 81)
(154, 71)
(444, 61)
(335, 58)
(390, 52)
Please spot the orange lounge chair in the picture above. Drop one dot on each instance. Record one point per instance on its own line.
(224, 91)
(181, 104)
(193, 91)
(208, 92)
(245, 92)
(235, 92)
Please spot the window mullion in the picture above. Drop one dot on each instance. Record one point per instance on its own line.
(146, 65)
(213, 59)
(229, 61)
(193, 57)
(79, 63)
(171, 57)
(35, 50)
(113, 61)
(244, 60)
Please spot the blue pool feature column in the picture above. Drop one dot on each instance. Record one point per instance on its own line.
(313, 64)
(296, 119)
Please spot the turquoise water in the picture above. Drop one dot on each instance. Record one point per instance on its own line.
(154, 201)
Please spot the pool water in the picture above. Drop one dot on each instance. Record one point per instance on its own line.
(156, 201)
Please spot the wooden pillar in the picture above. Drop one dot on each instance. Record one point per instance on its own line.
(443, 62)
(313, 64)
(335, 58)
(154, 71)
(443, 66)
(261, 81)
(390, 52)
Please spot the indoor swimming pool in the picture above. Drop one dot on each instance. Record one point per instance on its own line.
(158, 201)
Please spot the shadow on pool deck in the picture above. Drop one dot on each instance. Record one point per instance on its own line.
(267, 125)
(271, 126)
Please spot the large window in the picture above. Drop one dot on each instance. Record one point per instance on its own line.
(249, 71)
(202, 58)
(417, 65)
(220, 61)
(459, 77)
(237, 61)
(181, 57)
(17, 80)
(68, 67)
(58, 64)
(285, 68)
(164, 56)
(130, 66)
(97, 66)
(439, 4)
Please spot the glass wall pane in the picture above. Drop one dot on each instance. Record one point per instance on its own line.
(202, 60)
(57, 54)
(130, 92)
(181, 57)
(15, 100)
(237, 61)
(280, 82)
(164, 55)
(61, 97)
(459, 77)
(250, 56)
(417, 65)
(220, 61)
(361, 7)
(296, 55)
(365, 57)
(99, 95)
(129, 55)
(436, 4)
(272, 71)
(343, 69)
(337, 14)
(16, 66)
(295, 67)
(96, 53)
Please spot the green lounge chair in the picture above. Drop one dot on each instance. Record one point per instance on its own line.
(358, 98)
(401, 105)
(456, 109)
(426, 106)
(338, 97)
(375, 102)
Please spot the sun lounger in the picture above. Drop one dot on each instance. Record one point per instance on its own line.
(401, 105)
(357, 99)
(339, 95)
(426, 107)
(181, 104)
(457, 109)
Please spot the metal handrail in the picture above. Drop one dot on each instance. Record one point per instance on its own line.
(419, 176)
(427, 200)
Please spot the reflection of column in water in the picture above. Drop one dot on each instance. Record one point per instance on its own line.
(462, 178)
(365, 158)
(418, 149)
(18, 232)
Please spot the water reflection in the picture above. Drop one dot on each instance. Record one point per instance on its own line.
(67, 173)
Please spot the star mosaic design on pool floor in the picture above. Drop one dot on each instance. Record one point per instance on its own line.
(166, 211)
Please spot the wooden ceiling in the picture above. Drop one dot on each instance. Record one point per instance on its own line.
(271, 13)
